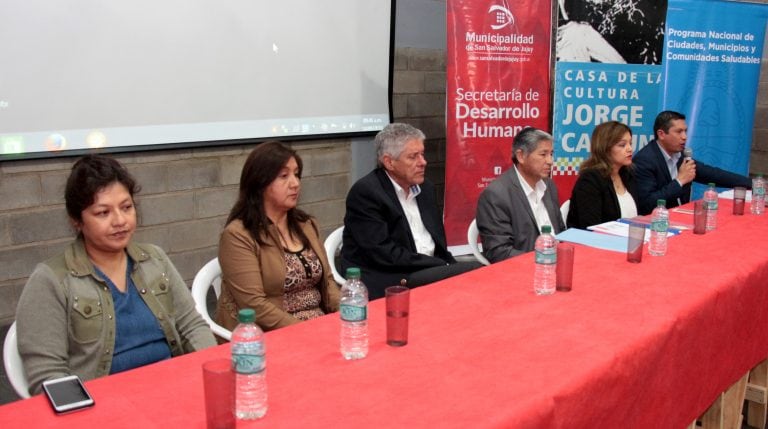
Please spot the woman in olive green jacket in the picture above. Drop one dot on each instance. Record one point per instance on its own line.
(105, 304)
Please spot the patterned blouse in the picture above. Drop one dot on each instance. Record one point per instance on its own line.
(303, 274)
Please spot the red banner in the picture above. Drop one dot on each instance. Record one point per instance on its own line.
(498, 82)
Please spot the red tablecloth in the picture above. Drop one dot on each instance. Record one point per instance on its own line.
(633, 345)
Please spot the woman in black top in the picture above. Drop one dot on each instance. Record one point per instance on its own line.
(604, 189)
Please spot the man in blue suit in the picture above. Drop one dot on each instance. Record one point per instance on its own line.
(662, 172)
(393, 229)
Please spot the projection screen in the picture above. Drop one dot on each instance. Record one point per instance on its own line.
(140, 74)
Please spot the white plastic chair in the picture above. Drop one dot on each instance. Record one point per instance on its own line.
(13, 367)
(472, 234)
(564, 211)
(209, 276)
(332, 245)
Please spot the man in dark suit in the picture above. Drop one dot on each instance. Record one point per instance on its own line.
(662, 172)
(514, 207)
(392, 229)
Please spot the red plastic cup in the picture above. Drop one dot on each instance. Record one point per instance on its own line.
(564, 270)
(699, 217)
(739, 196)
(219, 387)
(635, 240)
(398, 307)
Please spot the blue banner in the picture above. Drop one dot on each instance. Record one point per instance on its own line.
(711, 66)
(588, 94)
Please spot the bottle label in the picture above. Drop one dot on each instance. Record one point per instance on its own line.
(758, 191)
(546, 257)
(659, 225)
(244, 363)
(712, 204)
(353, 313)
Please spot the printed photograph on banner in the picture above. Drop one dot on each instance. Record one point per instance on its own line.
(611, 31)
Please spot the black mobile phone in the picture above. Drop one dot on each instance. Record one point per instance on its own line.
(67, 394)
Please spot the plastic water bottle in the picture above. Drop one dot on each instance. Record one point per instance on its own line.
(546, 262)
(710, 203)
(248, 361)
(354, 316)
(758, 195)
(659, 227)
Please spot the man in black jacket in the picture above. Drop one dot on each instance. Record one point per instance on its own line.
(662, 172)
(393, 230)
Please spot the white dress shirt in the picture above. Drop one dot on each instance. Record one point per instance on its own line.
(672, 166)
(423, 239)
(627, 205)
(671, 163)
(535, 200)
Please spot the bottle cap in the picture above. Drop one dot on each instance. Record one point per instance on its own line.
(353, 273)
(661, 202)
(711, 184)
(546, 229)
(246, 315)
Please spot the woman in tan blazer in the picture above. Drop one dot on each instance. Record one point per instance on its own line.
(270, 252)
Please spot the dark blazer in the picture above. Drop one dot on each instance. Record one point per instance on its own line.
(377, 238)
(594, 200)
(653, 181)
(505, 219)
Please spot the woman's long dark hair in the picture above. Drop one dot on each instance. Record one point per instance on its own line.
(260, 170)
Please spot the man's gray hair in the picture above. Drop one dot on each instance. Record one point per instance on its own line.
(528, 140)
(392, 139)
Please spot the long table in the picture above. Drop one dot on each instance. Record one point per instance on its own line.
(633, 345)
